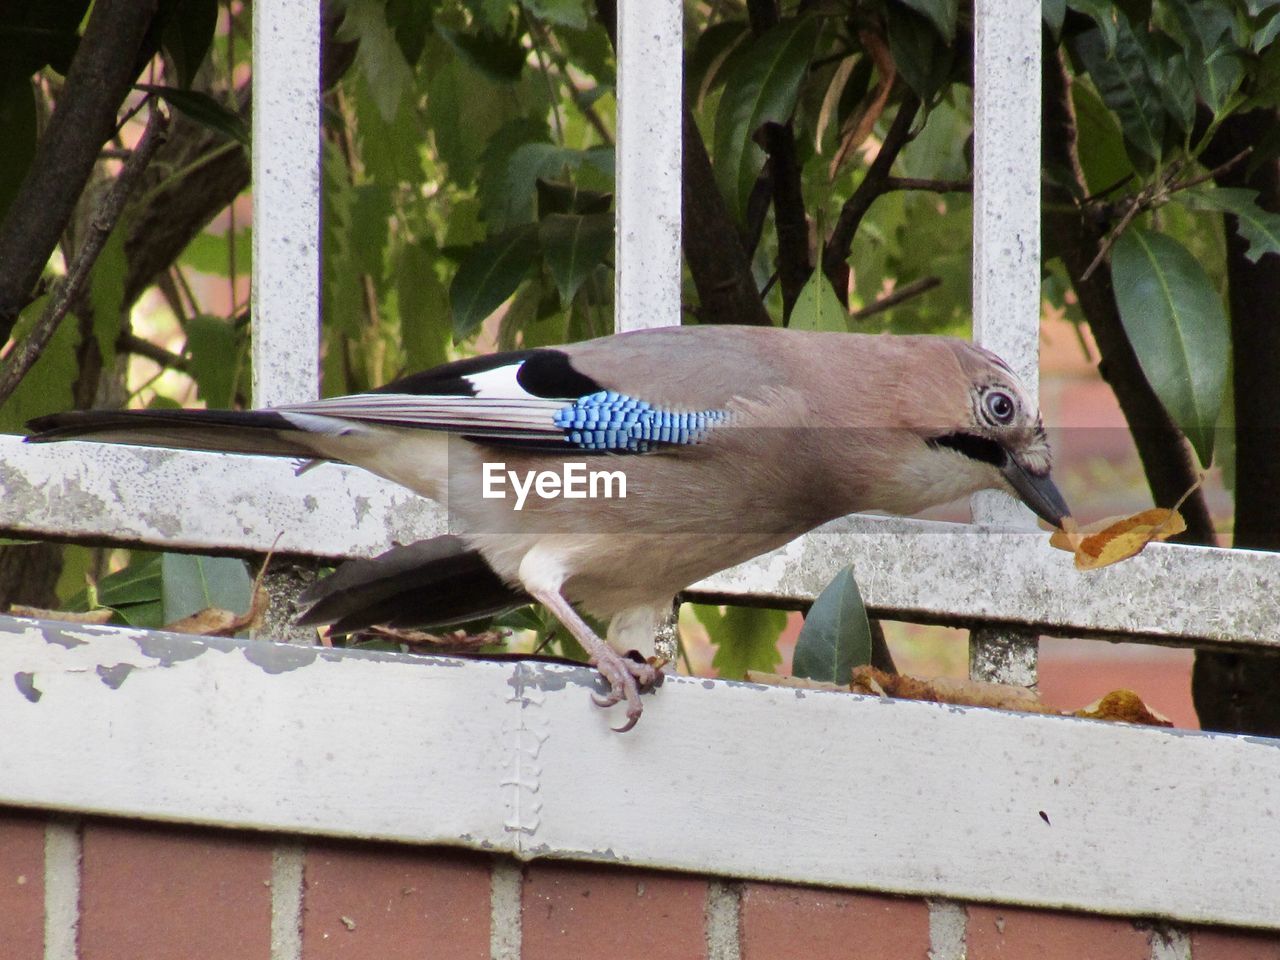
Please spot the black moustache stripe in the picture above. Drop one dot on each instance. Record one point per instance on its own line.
(972, 446)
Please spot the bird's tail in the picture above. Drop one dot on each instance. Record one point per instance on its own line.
(222, 431)
(433, 583)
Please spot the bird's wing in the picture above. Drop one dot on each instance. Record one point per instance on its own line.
(530, 399)
(629, 393)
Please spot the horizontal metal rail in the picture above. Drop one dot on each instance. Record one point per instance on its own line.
(907, 569)
(1020, 809)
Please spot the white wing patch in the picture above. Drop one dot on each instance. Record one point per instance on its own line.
(499, 382)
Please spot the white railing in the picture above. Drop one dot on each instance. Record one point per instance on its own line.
(962, 786)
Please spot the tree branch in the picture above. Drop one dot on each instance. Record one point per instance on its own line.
(101, 73)
(1233, 691)
(131, 343)
(103, 221)
(790, 221)
(178, 209)
(836, 254)
(932, 186)
(899, 296)
(1166, 458)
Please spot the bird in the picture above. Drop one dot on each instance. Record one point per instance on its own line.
(607, 475)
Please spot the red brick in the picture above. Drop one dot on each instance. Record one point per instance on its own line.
(22, 885)
(169, 892)
(789, 921)
(1223, 943)
(1010, 933)
(576, 910)
(369, 900)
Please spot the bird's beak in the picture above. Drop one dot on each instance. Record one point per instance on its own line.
(1037, 491)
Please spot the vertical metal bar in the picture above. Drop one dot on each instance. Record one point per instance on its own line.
(646, 290)
(285, 301)
(286, 201)
(1006, 252)
(650, 83)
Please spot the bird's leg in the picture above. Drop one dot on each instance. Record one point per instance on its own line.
(626, 677)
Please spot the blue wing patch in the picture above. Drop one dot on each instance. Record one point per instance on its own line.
(614, 422)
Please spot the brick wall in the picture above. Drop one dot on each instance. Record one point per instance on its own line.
(101, 890)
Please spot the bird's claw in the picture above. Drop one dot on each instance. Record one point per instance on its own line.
(627, 679)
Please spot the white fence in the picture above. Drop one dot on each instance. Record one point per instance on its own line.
(944, 802)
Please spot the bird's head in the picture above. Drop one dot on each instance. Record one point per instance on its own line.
(981, 430)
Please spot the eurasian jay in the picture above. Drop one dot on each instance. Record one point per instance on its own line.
(703, 447)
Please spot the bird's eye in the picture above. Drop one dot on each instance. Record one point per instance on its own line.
(999, 405)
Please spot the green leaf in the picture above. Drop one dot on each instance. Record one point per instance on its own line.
(188, 34)
(371, 211)
(1103, 13)
(106, 290)
(212, 346)
(1054, 12)
(508, 190)
(391, 152)
(1126, 86)
(1259, 228)
(762, 86)
(209, 252)
(47, 386)
(379, 55)
(921, 57)
(489, 274)
(1101, 150)
(1174, 318)
(1177, 92)
(711, 50)
(746, 638)
(1212, 54)
(493, 14)
(573, 245)
(564, 13)
(37, 33)
(557, 197)
(423, 303)
(836, 636)
(18, 121)
(411, 21)
(193, 583)
(941, 13)
(134, 592)
(203, 109)
(818, 307)
(341, 289)
(499, 56)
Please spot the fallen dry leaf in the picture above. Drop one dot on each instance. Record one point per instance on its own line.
(955, 690)
(1109, 541)
(216, 622)
(1123, 706)
(455, 641)
(1119, 706)
(96, 617)
(1118, 538)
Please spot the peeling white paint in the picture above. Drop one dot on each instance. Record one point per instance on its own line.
(955, 573)
(948, 799)
(124, 494)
